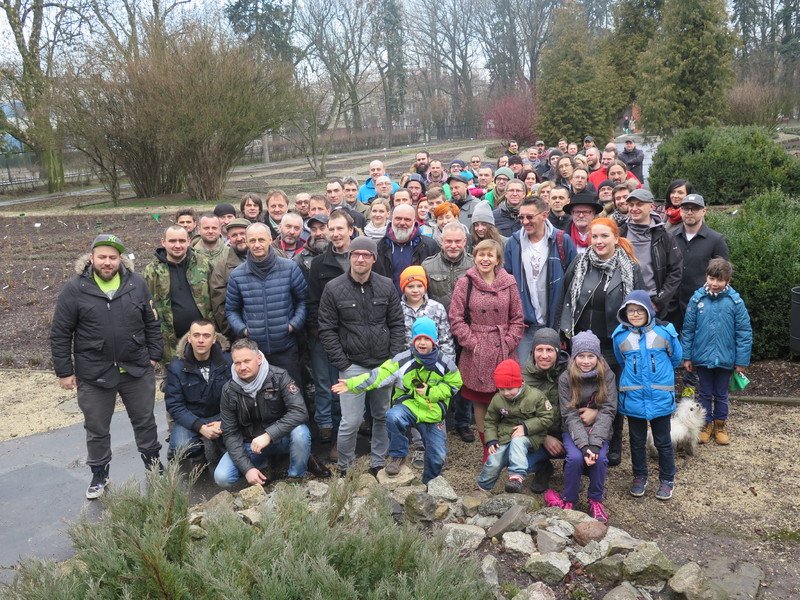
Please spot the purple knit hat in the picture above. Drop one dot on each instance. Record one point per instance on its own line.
(585, 341)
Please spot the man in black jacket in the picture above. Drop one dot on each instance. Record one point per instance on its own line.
(195, 379)
(633, 158)
(403, 245)
(106, 322)
(361, 325)
(263, 413)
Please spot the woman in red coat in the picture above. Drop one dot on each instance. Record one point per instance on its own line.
(488, 327)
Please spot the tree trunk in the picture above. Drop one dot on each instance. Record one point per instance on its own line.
(53, 168)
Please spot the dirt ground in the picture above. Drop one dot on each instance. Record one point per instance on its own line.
(739, 501)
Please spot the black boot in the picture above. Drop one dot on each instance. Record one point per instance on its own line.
(152, 461)
(100, 480)
(541, 479)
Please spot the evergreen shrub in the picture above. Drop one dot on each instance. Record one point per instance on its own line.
(726, 164)
(141, 548)
(764, 241)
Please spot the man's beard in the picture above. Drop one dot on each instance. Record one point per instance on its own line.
(101, 276)
(317, 245)
(402, 235)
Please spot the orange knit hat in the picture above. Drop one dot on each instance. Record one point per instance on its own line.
(413, 273)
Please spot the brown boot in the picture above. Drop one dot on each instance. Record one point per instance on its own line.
(721, 435)
(706, 432)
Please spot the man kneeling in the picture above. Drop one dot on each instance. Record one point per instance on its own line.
(263, 414)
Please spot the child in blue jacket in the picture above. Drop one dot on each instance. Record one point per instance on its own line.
(717, 338)
(648, 353)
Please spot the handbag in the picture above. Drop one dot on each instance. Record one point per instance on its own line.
(739, 382)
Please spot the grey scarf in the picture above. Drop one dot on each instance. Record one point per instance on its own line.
(589, 259)
(251, 388)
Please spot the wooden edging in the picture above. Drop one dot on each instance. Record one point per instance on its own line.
(783, 401)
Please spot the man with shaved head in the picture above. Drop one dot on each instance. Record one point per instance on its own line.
(367, 191)
(266, 301)
(403, 245)
(178, 281)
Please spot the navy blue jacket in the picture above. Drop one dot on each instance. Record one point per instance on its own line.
(512, 261)
(266, 307)
(717, 331)
(191, 400)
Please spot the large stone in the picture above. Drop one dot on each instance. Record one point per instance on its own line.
(573, 517)
(420, 507)
(196, 518)
(607, 570)
(463, 537)
(647, 565)
(560, 527)
(592, 552)
(689, 583)
(625, 591)
(365, 484)
(400, 494)
(619, 542)
(442, 510)
(514, 519)
(405, 477)
(196, 532)
(490, 567)
(220, 502)
(251, 516)
(253, 496)
(536, 591)
(471, 502)
(440, 488)
(588, 531)
(550, 568)
(519, 542)
(316, 490)
(497, 505)
(547, 541)
(741, 581)
(481, 521)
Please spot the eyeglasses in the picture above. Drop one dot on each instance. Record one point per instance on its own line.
(582, 213)
(501, 178)
(691, 208)
(525, 218)
(361, 255)
(636, 311)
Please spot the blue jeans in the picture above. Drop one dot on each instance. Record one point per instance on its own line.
(327, 411)
(713, 392)
(297, 444)
(538, 458)
(525, 347)
(573, 471)
(637, 428)
(514, 454)
(398, 419)
(194, 442)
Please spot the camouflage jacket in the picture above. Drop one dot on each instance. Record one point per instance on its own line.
(214, 255)
(156, 274)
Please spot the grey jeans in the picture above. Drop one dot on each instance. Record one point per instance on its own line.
(352, 416)
(97, 404)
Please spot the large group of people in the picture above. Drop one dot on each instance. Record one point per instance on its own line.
(541, 299)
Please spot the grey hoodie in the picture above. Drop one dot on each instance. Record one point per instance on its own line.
(640, 238)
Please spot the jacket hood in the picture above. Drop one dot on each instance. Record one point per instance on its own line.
(220, 339)
(161, 255)
(639, 298)
(84, 260)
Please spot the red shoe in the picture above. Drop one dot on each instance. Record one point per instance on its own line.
(553, 498)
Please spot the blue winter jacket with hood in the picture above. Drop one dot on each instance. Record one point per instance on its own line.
(648, 356)
(716, 331)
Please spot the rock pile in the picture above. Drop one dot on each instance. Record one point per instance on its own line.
(515, 539)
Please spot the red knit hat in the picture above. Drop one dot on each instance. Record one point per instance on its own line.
(508, 374)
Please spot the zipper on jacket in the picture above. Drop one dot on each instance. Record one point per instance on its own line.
(653, 362)
(113, 346)
(634, 366)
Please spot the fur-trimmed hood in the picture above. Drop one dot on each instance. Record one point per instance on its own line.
(84, 260)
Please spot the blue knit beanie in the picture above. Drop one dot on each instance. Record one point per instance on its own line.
(425, 326)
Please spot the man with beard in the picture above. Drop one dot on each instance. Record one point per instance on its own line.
(619, 197)
(178, 282)
(332, 262)
(593, 159)
(436, 173)
(266, 301)
(315, 244)
(582, 208)
(105, 334)
(505, 217)
(403, 244)
(288, 244)
(218, 282)
(421, 163)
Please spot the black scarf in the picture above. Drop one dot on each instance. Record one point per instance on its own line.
(261, 268)
(428, 360)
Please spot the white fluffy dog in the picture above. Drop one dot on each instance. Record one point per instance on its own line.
(685, 426)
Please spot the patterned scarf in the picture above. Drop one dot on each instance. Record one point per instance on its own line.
(589, 259)
(576, 237)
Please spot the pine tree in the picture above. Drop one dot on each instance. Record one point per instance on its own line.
(687, 69)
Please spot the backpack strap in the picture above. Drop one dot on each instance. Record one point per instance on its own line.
(467, 313)
(562, 253)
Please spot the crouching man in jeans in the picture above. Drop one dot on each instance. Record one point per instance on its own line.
(263, 414)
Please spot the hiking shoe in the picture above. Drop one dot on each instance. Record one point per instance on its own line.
(394, 465)
(418, 458)
(541, 479)
(665, 489)
(514, 484)
(317, 468)
(325, 435)
(598, 511)
(689, 392)
(466, 435)
(706, 432)
(614, 458)
(99, 482)
(553, 498)
(638, 486)
(721, 435)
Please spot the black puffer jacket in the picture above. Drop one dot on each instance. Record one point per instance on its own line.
(277, 409)
(361, 324)
(324, 269)
(104, 335)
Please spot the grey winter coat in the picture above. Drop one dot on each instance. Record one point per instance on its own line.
(600, 430)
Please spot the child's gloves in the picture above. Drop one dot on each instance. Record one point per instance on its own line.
(593, 449)
(492, 443)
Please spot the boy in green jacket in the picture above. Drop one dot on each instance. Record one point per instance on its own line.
(517, 421)
(424, 381)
